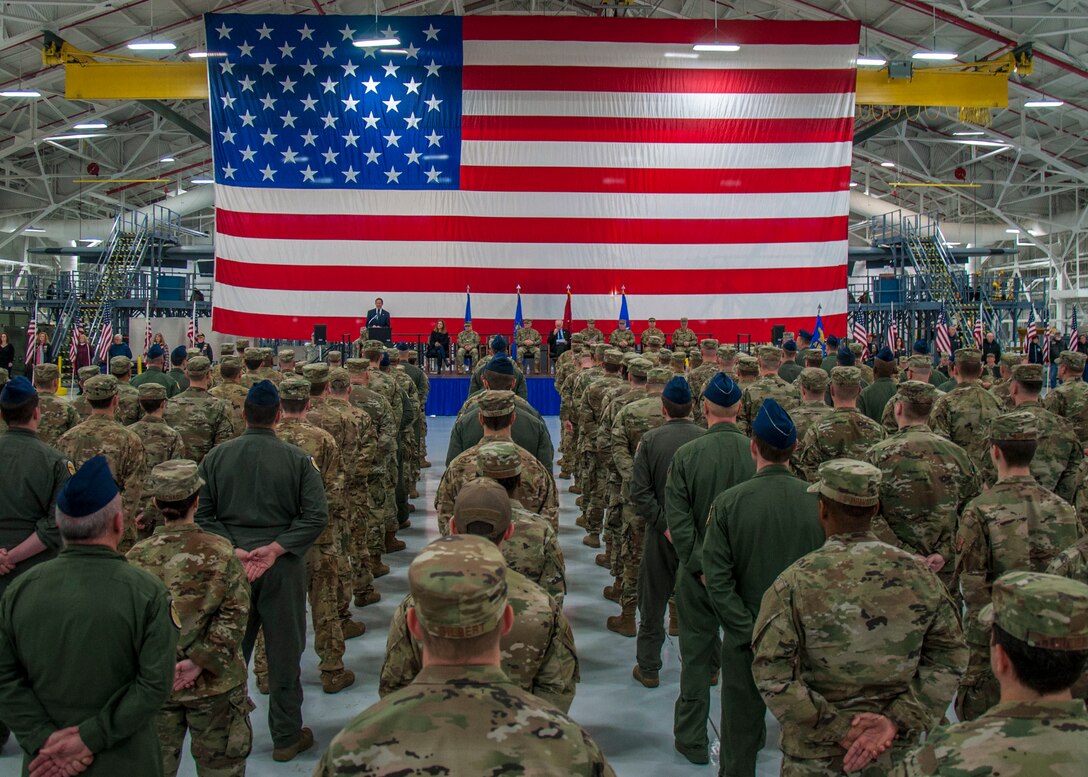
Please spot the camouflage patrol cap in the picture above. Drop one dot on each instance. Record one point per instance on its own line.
(683, 320)
(814, 354)
(727, 353)
(357, 365)
(917, 392)
(629, 357)
(298, 368)
(1045, 611)
(46, 372)
(334, 357)
(294, 388)
(1028, 373)
(252, 354)
(316, 373)
(1073, 360)
(653, 340)
(86, 373)
(679, 357)
(709, 344)
(458, 586)
(665, 352)
(695, 357)
(339, 379)
(197, 366)
(814, 379)
(577, 337)
(1011, 359)
(856, 348)
(286, 355)
(768, 353)
(747, 365)
(846, 376)
(226, 349)
(639, 367)
(496, 403)
(498, 459)
(373, 348)
(919, 362)
(230, 361)
(849, 482)
(192, 353)
(241, 344)
(659, 376)
(100, 387)
(591, 321)
(120, 365)
(175, 480)
(151, 391)
(651, 320)
(1018, 425)
(267, 353)
(968, 356)
(598, 351)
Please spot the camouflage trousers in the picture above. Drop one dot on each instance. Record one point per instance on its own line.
(979, 689)
(356, 575)
(462, 355)
(220, 730)
(832, 767)
(529, 353)
(588, 478)
(631, 543)
(566, 458)
(613, 536)
(422, 437)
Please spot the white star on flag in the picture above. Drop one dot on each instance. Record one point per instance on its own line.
(289, 156)
(413, 157)
(391, 104)
(247, 84)
(411, 52)
(228, 101)
(432, 175)
(269, 138)
(434, 139)
(371, 120)
(330, 120)
(431, 32)
(330, 156)
(309, 138)
(389, 32)
(392, 139)
(268, 101)
(432, 104)
(288, 119)
(308, 103)
(223, 30)
(265, 32)
(372, 156)
(268, 173)
(392, 176)
(350, 103)
(228, 171)
(228, 136)
(288, 85)
(413, 85)
(371, 85)
(267, 68)
(390, 69)
(327, 50)
(248, 154)
(349, 69)
(350, 175)
(308, 174)
(245, 48)
(286, 50)
(308, 69)
(412, 121)
(227, 67)
(329, 84)
(432, 69)
(347, 32)
(350, 138)
(306, 32)
(247, 119)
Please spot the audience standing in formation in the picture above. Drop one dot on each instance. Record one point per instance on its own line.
(848, 546)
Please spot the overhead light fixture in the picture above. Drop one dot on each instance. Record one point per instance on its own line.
(206, 54)
(168, 159)
(853, 184)
(982, 143)
(198, 181)
(92, 242)
(680, 55)
(152, 45)
(966, 133)
(1035, 232)
(90, 125)
(76, 136)
(20, 93)
(887, 164)
(953, 244)
(715, 47)
(374, 43)
(402, 52)
(935, 56)
(1012, 231)
(1043, 103)
(34, 229)
(871, 62)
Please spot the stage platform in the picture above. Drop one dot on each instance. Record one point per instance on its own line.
(448, 393)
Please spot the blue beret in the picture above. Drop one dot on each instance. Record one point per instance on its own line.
(832, 342)
(385, 360)
(402, 346)
(885, 354)
(501, 365)
(789, 345)
(155, 352)
(263, 393)
(921, 347)
(845, 357)
(804, 334)
(498, 343)
(89, 490)
(17, 391)
(179, 354)
(774, 426)
(677, 390)
(721, 390)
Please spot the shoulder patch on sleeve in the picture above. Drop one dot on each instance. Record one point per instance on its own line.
(71, 467)
(314, 464)
(175, 618)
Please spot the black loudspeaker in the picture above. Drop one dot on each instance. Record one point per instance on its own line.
(776, 334)
(320, 334)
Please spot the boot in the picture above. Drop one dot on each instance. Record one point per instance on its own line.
(352, 629)
(424, 464)
(590, 540)
(674, 622)
(411, 507)
(414, 493)
(612, 593)
(288, 752)
(575, 488)
(377, 568)
(648, 679)
(579, 501)
(392, 544)
(601, 560)
(405, 524)
(367, 598)
(334, 682)
(582, 522)
(262, 684)
(624, 624)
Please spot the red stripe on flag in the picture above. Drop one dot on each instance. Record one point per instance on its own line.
(654, 180)
(233, 323)
(639, 130)
(485, 280)
(542, 78)
(683, 31)
(480, 229)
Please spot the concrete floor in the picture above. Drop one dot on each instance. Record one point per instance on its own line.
(632, 725)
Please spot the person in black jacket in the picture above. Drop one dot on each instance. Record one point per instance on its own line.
(7, 352)
(438, 346)
(990, 345)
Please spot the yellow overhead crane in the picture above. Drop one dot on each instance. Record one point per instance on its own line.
(973, 87)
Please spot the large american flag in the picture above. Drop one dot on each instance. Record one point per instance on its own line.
(492, 151)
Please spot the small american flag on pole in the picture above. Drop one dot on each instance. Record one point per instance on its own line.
(1074, 335)
(77, 332)
(147, 329)
(190, 329)
(106, 339)
(1032, 332)
(980, 326)
(944, 341)
(893, 331)
(31, 336)
(861, 334)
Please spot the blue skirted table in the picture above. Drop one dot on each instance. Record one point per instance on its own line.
(448, 394)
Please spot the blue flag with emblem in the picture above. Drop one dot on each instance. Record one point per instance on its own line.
(625, 317)
(468, 306)
(818, 340)
(517, 326)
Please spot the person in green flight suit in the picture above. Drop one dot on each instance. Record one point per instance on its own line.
(755, 530)
(701, 470)
(82, 687)
(155, 374)
(267, 498)
(876, 395)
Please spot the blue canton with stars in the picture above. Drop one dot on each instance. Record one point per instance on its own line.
(295, 105)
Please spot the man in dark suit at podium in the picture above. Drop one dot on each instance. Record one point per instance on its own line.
(378, 315)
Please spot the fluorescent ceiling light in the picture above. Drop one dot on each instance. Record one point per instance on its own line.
(935, 56)
(202, 180)
(983, 143)
(20, 93)
(168, 159)
(1035, 233)
(1043, 104)
(967, 133)
(77, 136)
(1012, 231)
(680, 55)
(90, 125)
(871, 62)
(92, 242)
(373, 43)
(153, 45)
(715, 47)
(206, 54)
(887, 164)
(33, 229)
(953, 244)
(394, 51)
(853, 184)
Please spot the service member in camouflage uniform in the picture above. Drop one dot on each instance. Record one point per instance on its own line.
(591, 455)
(251, 360)
(589, 369)
(396, 510)
(768, 386)
(128, 401)
(406, 358)
(699, 376)
(926, 480)
(747, 370)
(161, 442)
(857, 626)
(408, 456)
(622, 337)
(919, 368)
(537, 491)
(226, 349)
(210, 594)
(231, 390)
(1016, 525)
(867, 373)
(1070, 399)
(1039, 647)
(651, 330)
(468, 347)
(1001, 389)
(58, 415)
(528, 342)
(591, 335)
(813, 383)
(843, 433)
(445, 720)
(203, 420)
(533, 550)
(963, 414)
(565, 370)
(684, 337)
(83, 374)
(102, 434)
